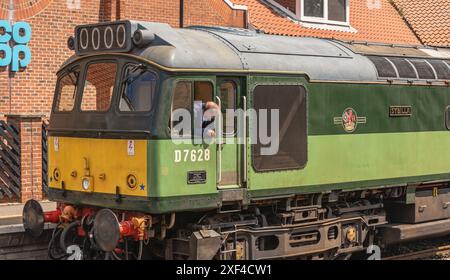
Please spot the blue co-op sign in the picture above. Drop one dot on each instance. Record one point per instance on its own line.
(14, 51)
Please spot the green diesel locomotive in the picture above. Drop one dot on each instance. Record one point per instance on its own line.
(324, 147)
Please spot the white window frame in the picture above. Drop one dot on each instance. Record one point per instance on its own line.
(300, 11)
(325, 14)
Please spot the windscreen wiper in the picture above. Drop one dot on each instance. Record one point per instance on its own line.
(129, 81)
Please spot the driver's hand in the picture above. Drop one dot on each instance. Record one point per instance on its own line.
(211, 133)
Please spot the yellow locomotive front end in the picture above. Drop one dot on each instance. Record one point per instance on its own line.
(102, 166)
(98, 146)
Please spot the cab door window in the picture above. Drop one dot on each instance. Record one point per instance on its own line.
(228, 98)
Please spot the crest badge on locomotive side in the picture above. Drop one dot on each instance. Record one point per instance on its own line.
(349, 120)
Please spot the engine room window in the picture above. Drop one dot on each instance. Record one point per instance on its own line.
(290, 101)
(139, 89)
(67, 91)
(99, 86)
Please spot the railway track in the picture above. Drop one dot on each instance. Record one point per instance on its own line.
(441, 252)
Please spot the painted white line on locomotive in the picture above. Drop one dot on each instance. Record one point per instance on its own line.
(84, 43)
(96, 43)
(111, 33)
(124, 39)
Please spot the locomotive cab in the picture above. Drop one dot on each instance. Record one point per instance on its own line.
(103, 114)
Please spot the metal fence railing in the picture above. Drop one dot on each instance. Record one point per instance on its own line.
(10, 181)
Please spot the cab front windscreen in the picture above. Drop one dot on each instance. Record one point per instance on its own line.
(101, 94)
(136, 87)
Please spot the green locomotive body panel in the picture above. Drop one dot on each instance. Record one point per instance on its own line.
(384, 151)
(400, 136)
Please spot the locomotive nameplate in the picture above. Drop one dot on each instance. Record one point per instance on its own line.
(400, 111)
(196, 177)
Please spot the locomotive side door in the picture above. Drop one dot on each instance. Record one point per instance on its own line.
(228, 97)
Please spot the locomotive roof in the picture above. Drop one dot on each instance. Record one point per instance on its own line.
(228, 49)
(238, 49)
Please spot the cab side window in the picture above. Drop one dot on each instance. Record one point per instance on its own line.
(203, 93)
(181, 101)
(188, 103)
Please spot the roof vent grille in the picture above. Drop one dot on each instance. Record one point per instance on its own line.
(411, 68)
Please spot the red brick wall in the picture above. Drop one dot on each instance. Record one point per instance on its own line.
(31, 91)
(30, 156)
(289, 4)
(212, 12)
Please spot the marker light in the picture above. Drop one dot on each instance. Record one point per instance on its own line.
(85, 183)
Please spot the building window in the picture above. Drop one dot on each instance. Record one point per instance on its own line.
(314, 8)
(335, 12)
(327, 11)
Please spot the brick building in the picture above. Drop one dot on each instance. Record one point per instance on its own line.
(53, 21)
(29, 92)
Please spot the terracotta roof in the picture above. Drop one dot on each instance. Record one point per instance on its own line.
(373, 24)
(430, 20)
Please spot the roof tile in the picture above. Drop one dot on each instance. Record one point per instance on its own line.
(382, 24)
(430, 20)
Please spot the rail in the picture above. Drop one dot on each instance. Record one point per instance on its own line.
(440, 251)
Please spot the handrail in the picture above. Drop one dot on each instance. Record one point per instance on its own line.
(219, 142)
(244, 135)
